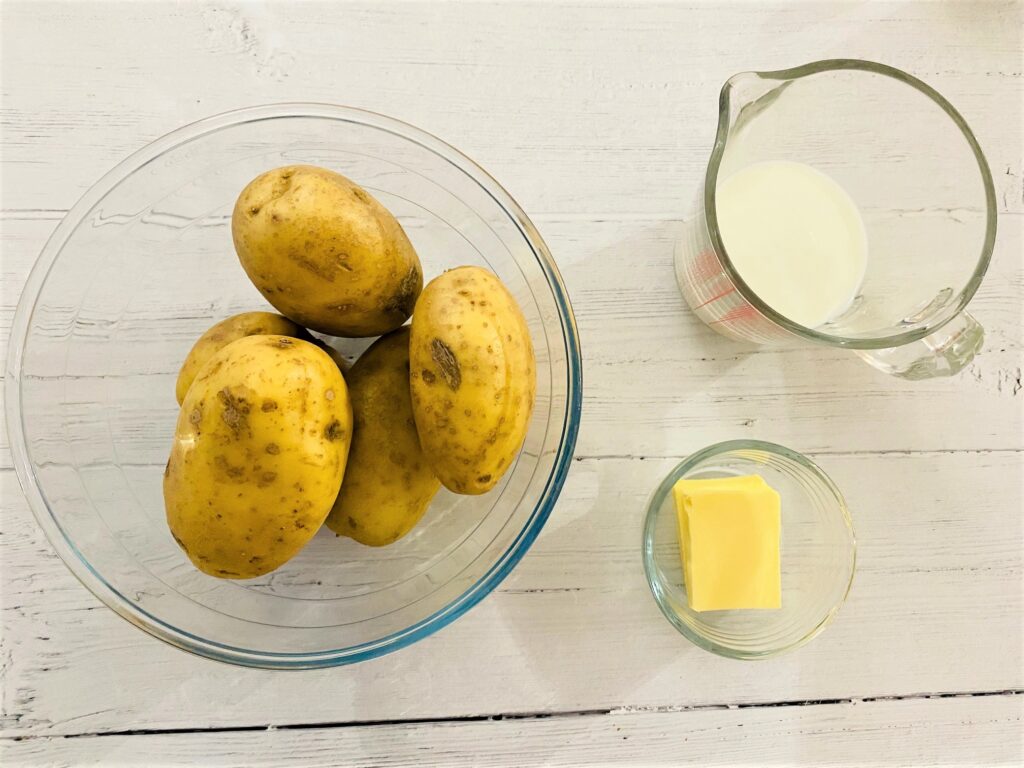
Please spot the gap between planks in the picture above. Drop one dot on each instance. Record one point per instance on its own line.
(654, 457)
(597, 217)
(540, 715)
(879, 452)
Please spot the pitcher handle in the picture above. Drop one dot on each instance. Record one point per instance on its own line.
(944, 353)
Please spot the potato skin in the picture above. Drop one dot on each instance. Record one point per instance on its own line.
(335, 355)
(388, 483)
(223, 333)
(258, 457)
(325, 253)
(472, 378)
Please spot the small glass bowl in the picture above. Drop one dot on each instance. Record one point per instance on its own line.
(818, 553)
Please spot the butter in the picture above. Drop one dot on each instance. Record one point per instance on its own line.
(729, 540)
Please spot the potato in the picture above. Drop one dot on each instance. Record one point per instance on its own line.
(259, 454)
(388, 483)
(325, 253)
(223, 333)
(335, 355)
(472, 377)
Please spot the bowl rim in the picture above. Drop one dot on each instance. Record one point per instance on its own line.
(188, 641)
(656, 501)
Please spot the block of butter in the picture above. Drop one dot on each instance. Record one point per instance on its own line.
(729, 536)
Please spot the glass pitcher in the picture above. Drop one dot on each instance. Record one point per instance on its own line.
(924, 190)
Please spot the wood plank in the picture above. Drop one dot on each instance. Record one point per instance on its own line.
(935, 607)
(610, 109)
(921, 732)
(698, 387)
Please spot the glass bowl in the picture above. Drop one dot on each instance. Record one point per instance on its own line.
(140, 267)
(818, 553)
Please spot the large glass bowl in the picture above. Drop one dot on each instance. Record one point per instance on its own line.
(140, 267)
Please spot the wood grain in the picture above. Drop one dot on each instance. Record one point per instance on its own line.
(618, 100)
(932, 732)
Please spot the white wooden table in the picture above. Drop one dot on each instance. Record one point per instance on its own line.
(599, 120)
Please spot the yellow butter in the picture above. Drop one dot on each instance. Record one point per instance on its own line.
(729, 540)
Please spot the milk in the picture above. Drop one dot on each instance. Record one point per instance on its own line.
(795, 237)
